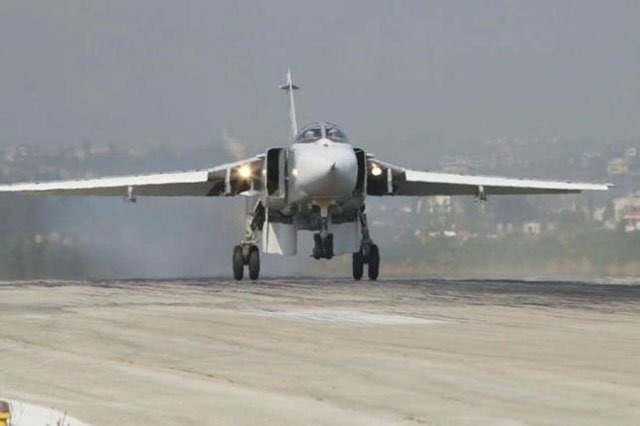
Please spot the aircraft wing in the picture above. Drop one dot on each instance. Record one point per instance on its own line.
(395, 180)
(227, 179)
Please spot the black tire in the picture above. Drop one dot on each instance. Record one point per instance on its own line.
(238, 263)
(254, 263)
(328, 247)
(317, 246)
(358, 265)
(374, 262)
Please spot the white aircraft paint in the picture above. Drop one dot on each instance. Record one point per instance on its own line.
(25, 414)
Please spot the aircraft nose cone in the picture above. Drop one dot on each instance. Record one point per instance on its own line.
(327, 172)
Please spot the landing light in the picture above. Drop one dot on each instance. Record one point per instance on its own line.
(244, 171)
(375, 170)
(294, 172)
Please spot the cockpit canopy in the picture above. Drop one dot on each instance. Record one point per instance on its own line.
(321, 130)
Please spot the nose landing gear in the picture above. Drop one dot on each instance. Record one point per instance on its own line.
(323, 240)
(323, 247)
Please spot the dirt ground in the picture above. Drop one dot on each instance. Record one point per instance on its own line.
(324, 352)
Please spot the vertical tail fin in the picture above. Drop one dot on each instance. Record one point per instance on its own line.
(289, 87)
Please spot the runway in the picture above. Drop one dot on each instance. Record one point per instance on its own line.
(324, 352)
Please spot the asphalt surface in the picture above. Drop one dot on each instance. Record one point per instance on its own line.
(324, 351)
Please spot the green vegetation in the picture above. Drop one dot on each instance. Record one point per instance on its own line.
(587, 252)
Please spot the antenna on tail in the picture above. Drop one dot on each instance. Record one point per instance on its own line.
(289, 87)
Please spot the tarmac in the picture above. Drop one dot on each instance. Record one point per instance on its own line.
(324, 351)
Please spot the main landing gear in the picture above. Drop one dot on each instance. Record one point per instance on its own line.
(247, 253)
(368, 253)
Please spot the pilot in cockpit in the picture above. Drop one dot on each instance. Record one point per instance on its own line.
(310, 134)
(316, 131)
(334, 133)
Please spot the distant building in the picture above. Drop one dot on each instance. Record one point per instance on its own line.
(587, 158)
(624, 205)
(630, 152)
(440, 204)
(531, 228)
(504, 228)
(15, 153)
(617, 167)
(458, 165)
(632, 221)
(599, 213)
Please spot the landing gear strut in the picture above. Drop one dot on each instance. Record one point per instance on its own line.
(368, 253)
(323, 240)
(247, 253)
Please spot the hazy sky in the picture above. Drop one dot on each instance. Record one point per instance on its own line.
(392, 73)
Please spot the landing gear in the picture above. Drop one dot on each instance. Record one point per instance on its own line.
(374, 262)
(323, 247)
(368, 253)
(247, 253)
(323, 240)
(358, 265)
(238, 263)
(254, 263)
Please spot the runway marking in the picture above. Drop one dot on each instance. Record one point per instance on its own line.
(354, 317)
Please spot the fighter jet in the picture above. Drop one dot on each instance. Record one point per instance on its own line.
(319, 182)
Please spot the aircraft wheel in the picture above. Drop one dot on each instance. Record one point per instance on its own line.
(317, 246)
(374, 262)
(254, 263)
(328, 246)
(358, 265)
(238, 263)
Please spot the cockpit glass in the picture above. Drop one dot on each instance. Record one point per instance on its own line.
(316, 131)
(310, 133)
(334, 133)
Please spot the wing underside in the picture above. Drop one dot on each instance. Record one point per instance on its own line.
(394, 180)
(227, 179)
